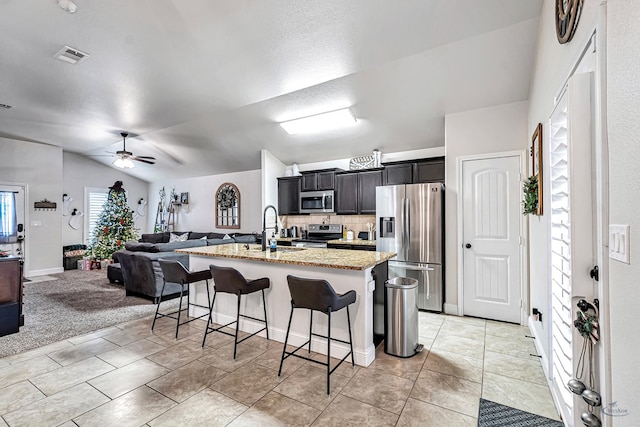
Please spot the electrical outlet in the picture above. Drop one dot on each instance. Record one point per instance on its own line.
(619, 244)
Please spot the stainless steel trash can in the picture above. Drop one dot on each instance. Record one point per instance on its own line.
(401, 317)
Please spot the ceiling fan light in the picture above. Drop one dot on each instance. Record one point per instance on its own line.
(320, 122)
(123, 163)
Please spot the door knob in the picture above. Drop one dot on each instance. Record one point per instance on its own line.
(468, 246)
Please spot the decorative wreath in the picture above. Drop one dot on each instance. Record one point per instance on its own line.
(227, 197)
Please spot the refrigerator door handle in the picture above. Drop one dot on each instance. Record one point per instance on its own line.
(410, 267)
(428, 284)
(407, 227)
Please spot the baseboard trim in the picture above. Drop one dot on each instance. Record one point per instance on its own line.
(44, 272)
(451, 309)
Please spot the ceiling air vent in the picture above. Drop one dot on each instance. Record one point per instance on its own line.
(6, 106)
(71, 55)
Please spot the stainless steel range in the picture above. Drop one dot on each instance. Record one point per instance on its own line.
(318, 235)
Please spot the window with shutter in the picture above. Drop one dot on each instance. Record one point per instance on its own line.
(94, 199)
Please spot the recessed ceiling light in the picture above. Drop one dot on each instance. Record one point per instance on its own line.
(320, 122)
(71, 55)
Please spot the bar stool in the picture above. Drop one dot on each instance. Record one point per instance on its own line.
(318, 295)
(229, 280)
(174, 272)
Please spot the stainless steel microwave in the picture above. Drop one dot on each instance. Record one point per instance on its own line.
(317, 202)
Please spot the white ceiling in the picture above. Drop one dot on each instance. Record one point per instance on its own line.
(201, 84)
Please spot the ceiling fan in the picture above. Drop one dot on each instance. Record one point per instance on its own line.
(124, 159)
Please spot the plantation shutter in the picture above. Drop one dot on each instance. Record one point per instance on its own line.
(561, 253)
(95, 199)
(572, 231)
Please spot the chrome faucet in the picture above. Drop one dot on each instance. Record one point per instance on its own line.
(264, 225)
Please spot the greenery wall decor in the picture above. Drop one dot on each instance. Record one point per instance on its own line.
(530, 190)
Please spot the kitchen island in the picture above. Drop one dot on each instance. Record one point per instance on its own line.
(344, 270)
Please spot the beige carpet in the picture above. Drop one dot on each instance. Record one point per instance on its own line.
(73, 303)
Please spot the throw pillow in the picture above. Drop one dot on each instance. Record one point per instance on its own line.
(178, 237)
(226, 236)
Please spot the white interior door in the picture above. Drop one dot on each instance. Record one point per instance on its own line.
(491, 220)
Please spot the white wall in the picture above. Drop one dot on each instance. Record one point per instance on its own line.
(489, 130)
(202, 192)
(80, 172)
(552, 67)
(623, 106)
(272, 168)
(40, 167)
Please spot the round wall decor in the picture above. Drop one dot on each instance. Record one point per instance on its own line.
(567, 17)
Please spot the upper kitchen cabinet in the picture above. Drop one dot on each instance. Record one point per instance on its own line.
(398, 174)
(356, 192)
(414, 171)
(367, 183)
(289, 195)
(347, 194)
(429, 170)
(319, 180)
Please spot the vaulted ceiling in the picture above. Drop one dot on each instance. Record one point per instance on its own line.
(202, 84)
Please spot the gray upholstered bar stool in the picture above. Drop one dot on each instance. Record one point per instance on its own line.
(229, 280)
(174, 272)
(318, 295)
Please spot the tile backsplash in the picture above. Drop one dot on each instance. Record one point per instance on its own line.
(356, 223)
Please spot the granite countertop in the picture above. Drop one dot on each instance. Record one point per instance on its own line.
(326, 258)
(352, 242)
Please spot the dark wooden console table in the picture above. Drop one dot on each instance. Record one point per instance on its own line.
(11, 317)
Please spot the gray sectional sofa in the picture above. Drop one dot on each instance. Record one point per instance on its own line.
(138, 265)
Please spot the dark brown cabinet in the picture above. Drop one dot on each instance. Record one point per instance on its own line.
(367, 183)
(429, 171)
(289, 195)
(347, 194)
(356, 192)
(318, 180)
(414, 172)
(326, 180)
(309, 182)
(398, 174)
(11, 317)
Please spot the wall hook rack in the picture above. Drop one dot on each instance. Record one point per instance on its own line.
(45, 205)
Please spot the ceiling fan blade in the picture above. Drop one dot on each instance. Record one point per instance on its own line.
(143, 160)
(146, 157)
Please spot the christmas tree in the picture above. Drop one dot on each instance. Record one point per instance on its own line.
(114, 226)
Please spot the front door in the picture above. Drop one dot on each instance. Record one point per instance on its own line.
(492, 285)
(12, 214)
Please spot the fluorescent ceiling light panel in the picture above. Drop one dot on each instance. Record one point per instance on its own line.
(123, 163)
(320, 122)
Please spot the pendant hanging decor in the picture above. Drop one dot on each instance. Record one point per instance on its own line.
(587, 325)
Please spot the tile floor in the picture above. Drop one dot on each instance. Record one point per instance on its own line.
(130, 376)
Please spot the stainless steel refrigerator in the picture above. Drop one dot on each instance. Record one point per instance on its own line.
(410, 221)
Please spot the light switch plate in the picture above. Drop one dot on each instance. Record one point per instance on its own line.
(619, 242)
